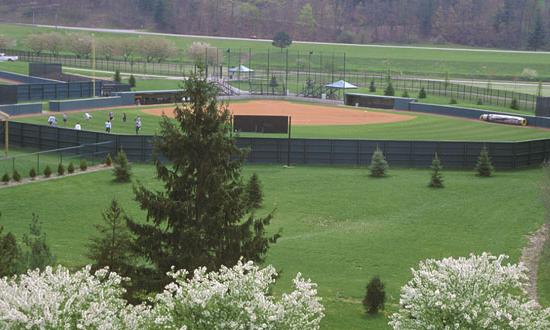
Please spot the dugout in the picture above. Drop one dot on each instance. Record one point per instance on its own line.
(158, 97)
(377, 101)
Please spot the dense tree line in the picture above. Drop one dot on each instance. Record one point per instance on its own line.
(498, 23)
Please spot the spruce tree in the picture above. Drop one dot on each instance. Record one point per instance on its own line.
(514, 104)
(32, 173)
(38, 253)
(199, 217)
(254, 192)
(112, 246)
(389, 91)
(405, 94)
(122, 169)
(436, 180)
(47, 171)
(422, 93)
(537, 36)
(375, 297)
(484, 167)
(6, 178)
(117, 78)
(372, 87)
(16, 176)
(378, 165)
(70, 168)
(132, 81)
(83, 165)
(60, 169)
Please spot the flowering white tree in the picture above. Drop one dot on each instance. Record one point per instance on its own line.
(478, 292)
(59, 299)
(233, 298)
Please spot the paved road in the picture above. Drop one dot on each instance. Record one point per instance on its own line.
(122, 31)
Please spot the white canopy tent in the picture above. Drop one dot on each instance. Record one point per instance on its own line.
(241, 69)
(340, 84)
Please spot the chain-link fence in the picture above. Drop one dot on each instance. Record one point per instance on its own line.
(25, 160)
(280, 72)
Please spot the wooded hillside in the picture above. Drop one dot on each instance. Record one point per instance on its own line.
(494, 23)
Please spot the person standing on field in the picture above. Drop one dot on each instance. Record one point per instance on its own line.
(108, 126)
(138, 125)
(65, 118)
(124, 117)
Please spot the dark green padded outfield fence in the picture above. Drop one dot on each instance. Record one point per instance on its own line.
(415, 154)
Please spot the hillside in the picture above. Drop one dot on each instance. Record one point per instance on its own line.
(490, 23)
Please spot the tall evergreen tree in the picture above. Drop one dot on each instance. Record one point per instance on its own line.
(38, 253)
(375, 297)
(200, 218)
(378, 165)
(113, 246)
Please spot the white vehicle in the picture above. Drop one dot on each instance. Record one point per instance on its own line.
(4, 57)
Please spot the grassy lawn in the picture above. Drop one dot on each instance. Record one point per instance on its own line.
(156, 84)
(423, 127)
(16, 67)
(369, 227)
(418, 61)
(544, 276)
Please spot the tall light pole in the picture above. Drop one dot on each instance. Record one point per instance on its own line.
(93, 65)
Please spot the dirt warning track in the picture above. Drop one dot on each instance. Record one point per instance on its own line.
(305, 114)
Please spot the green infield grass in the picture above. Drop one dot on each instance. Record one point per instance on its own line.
(423, 127)
(347, 229)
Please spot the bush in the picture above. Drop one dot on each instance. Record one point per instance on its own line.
(484, 167)
(514, 105)
(389, 91)
(234, 298)
(453, 101)
(60, 169)
(405, 94)
(254, 195)
(122, 169)
(378, 165)
(117, 78)
(479, 102)
(422, 94)
(375, 296)
(16, 176)
(32, 173)
(479, 292)
(372, 87)
(108, 160)
(47, 171)
(70, 168)
(6, 178)
(132, 81)
(436, 180)
(83, 165)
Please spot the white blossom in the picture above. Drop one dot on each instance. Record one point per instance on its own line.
(233, 298)
(478, 292)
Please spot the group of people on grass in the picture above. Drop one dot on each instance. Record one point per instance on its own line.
(52, 121)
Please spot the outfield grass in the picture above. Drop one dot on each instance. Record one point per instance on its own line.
(543, 276)
(404, 60)
(423, 127)
(345, 230)
(156, 84)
